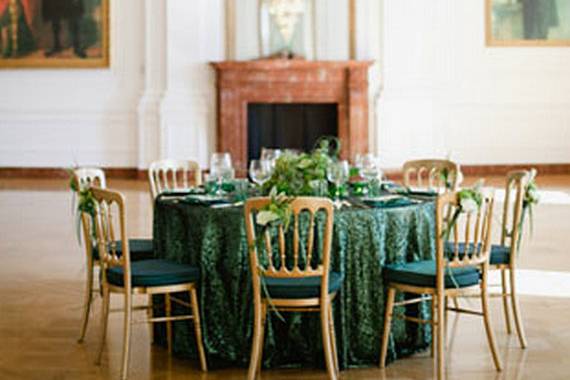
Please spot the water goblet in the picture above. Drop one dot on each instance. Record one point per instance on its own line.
(337, 173)
(260, 171)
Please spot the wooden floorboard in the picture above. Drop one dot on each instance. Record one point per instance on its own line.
(41, 284)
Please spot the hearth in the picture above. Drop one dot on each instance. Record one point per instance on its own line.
(243, 85)
(288, 126)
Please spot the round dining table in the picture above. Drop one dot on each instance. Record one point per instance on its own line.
(364, 239)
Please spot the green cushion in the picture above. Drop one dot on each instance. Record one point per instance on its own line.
(499, 254)
(141, 249)
(155, 273)
(423, 273)
(302, 287)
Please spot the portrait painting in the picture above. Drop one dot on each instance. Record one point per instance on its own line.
(54, 33)
(528, 22)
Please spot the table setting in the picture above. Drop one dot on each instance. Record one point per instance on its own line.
(375, 223)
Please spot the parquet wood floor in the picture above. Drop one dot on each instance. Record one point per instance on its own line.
(41, 285)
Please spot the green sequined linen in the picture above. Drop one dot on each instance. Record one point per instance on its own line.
(364, 240)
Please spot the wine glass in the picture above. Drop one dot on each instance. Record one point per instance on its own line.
(221, 169)
(260, 171)
(337, 173)
(270, 155)
(368, 166)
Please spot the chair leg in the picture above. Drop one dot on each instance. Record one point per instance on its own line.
(326, 334)
(150, 315)
(440, 333)
(198, 330)
(126, 337)
(104, 319)
(87, 302)
(433, 318)
(486, 319)
(256, 344)
(504, 295)
(516, 312)
(333, 340)
(263, 320)
(387, 325)
(168, 312)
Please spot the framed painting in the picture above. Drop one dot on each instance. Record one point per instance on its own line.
(528, 22)
(54, 33)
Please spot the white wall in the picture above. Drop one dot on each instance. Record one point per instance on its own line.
(435, 88)
(58, 117)
(444, 91)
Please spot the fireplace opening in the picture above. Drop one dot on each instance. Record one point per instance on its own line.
(288, 126)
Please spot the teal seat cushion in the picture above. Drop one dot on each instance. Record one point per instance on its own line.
(302, 287)
(141, 249)
(423, 273)
(155, 273)
(499, 254)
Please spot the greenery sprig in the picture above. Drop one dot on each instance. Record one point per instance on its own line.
(82, 201)
(470, 200)
(300, 174)
(531, 197)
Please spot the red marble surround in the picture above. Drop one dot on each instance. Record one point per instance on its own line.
(291, 81)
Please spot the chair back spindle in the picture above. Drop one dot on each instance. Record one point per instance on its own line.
(87, 177)
(427, 174)
(281, 255)
(173, 174)
(512, 207)
(110, 226)
(470, 235)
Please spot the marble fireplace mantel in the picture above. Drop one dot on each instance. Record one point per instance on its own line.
(344, 83)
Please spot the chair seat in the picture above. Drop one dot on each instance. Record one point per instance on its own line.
(155, 273)
(423, 273)
(141, 249)
(500, 254)
(300, 287)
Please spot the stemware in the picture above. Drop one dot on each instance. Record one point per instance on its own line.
(270, 155)
(221, 169)
(337, 173)
(260, 171)
(367, 164)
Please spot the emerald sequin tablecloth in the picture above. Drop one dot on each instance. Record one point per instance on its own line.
(363, 240)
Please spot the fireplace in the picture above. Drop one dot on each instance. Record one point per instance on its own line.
(275, 87)
(288, 125)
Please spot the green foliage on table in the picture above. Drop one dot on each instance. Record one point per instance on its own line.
(300, 174)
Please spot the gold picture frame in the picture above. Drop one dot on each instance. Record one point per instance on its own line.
(71, 53)
(509, 24)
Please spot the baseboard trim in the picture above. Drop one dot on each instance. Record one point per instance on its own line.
(395, 174)
(499, 170)
(119, 173)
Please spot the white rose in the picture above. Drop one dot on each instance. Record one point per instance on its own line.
(266, 217)
(468, 205)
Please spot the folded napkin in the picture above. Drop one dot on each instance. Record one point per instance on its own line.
(387, 201)
(182, 192)
(204, 200)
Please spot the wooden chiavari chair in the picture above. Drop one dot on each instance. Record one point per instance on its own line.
(173, 174)
(293, 281)
(503, 255)
(151, 277)
(140, 248)
(427, 174)
(451, 274)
